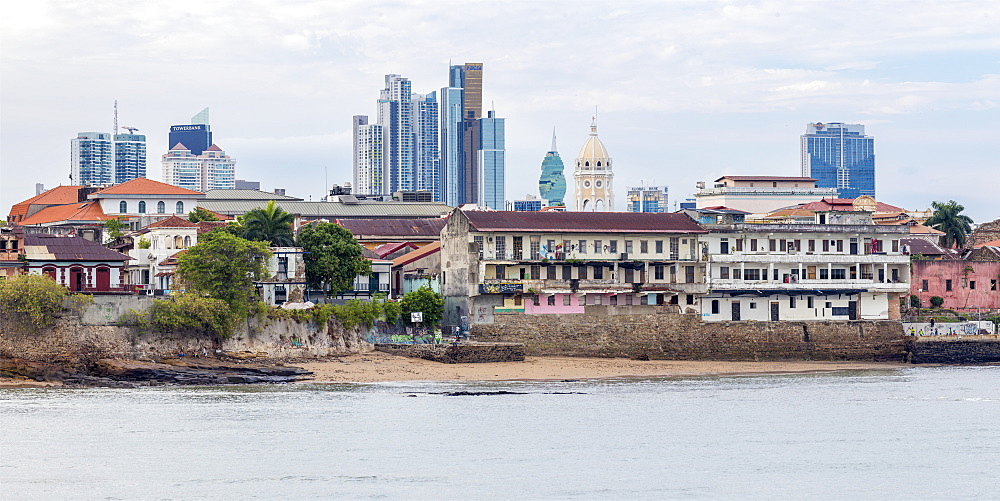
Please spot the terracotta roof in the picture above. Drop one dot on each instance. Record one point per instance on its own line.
(401, 227)
(766, 178)
(991, 243)
(583, 222)
(919, 229)
(385, 249)
(207, 226)
(77, 212)
(172, 222)
(846, 204)
(213, 148)
(420, 253)
(46, 247)
(171, 259)
(143, 186)
(791, 213)
(60, 195)
(179, 146)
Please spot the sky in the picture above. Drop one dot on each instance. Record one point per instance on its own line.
(684, 91)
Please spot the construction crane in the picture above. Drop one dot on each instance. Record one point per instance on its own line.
(131, 130)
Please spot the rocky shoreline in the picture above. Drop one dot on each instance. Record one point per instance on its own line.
(226, 368)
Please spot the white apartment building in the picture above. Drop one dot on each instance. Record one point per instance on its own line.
(760, 194)
(211, 170)
(847, 269)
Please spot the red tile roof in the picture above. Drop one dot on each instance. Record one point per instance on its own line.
(846, 204)
(207, 226)
(213, 148)
(45, 247)
(991, 243)
(60, 195)
(385, 249)
(173, 222)
(143, 186)
(76, 212)
(179, 146)
(583, 222)
(420, 253)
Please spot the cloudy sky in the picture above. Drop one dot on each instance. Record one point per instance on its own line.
(686, 91)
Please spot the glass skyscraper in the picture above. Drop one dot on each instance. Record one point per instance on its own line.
(461, 111)
(492, 161)
(368, 165)
(452, 175)
(646, 199)
(428, 154)
(840, 156)
(130, 157)
(552, 183)
(91, 159)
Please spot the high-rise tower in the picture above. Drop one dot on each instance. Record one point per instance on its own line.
(130, 157)
(492, 160)
(841, 156)
(427, 147)
(552, 183)
(593, 176)
(91, 156)
(395, 114)
(197, 136)
(368, 166)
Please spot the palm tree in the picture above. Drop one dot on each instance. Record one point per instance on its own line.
(269, 224)
(947, 218)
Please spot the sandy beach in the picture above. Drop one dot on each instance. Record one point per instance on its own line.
(380, 367)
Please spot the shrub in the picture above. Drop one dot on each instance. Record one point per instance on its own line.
(426, 301)
(915, 301)
(937, 301)
(193, 313)
(32, 300)
(392, 311)
(144, 243)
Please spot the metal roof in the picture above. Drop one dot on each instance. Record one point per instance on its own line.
(332, 210)
(245, 195)
(46, 247)
(766, 178)
(395, 227)
(583, 222)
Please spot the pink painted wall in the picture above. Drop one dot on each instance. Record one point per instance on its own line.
(986, 274)
(543, 307)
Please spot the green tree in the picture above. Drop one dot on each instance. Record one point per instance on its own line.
(225, 267)
(31, 299)
(948, 218)
(115, 228)
(333, 257)
(937, 301)
(269, 224)
(199, 214)
(426, 301)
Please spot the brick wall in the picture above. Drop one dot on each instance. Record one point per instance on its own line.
(684, 337)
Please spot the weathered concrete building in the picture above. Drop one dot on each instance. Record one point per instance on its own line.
(844, 268)
(963, 284)
(560, 262)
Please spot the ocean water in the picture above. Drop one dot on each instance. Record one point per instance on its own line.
(915, 433)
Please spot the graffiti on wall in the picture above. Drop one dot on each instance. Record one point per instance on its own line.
(949, 329)
(382, 332)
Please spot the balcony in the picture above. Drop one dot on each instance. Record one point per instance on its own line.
(809, 258)
(871, 285)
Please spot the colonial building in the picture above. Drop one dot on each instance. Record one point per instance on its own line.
(562, 262)
(592, 176)
(844, 268)
(75, 262)
(760, 194)
(152, 268)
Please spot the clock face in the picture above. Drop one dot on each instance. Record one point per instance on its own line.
(586, 184)
(598, 184)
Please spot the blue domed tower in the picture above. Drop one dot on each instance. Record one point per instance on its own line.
(552, 183)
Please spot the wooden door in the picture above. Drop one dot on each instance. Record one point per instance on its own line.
(103, 280)
(736, 311)
(852, 310)
(774, 311)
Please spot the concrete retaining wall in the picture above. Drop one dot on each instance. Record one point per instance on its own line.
(684, 337)
(953, 351)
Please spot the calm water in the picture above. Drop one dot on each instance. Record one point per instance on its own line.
(911, 433)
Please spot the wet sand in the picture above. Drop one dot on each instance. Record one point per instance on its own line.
(381, 367)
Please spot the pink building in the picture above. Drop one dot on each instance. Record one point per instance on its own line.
(964, 285)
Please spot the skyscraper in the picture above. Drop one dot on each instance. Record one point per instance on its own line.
(210, 170)
(395, 114)
(452, 175)
(197, 136)
(130, 157)
(91, 156)
(841, 156)
(428, 152)
(368, 167)
(593, 176)
(492, 159)
(552, 183)
(646, 199)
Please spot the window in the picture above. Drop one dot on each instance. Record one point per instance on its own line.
(550, 272)
(772, 245)
(550, 247)
(690, 298)
(613, 246)
(123, 207)
(598, 273)
(895, 246)
(536, 272)
(628, 246)
(829, 304)
(826, 246)
(753, 306)
(775, 277)
(824, 274)
(566, 300)
(567, 272)
(535, 243)
(739, 245)
(180, 208)
(840, 246)
(923, 285)
(737, 274)
(518, 244)
(659, 246)
(838, 274)
(724, 272)
(675, 248)
(724, 246)
(753, 245)
(809, 301)
(597, 246)
(161, 207)
(534, 300)
(582, 272)
(853, 246)
(500, 247)
(993, 285)
(478, 241)
(791, 302)
(582, 247)
(499, 271)
(781, 246)
(752, 274)
(715, 306)
(658, 272)
(644, 246)
(551, 300)
(947, 285)
(142, 207)
(689, 274)
(972, 284)
(187, 243)
(811, 245)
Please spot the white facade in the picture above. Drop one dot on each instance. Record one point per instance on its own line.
(759, 200)
(368, 166)
(804, 272)
(147, 205)
(593, 177)
(211, 170)
(92, 159)
(145, 270)
(286, 276)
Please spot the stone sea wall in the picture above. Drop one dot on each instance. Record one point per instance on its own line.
(670, 336)
(954, 351)
(463, 353)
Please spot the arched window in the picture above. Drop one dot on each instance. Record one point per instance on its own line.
(180, 208)
(178, 242)
(167, 241)
(142, 207)
(187, 242)
(122, 207)
(598, 163)
(586, 164)
(161, 207)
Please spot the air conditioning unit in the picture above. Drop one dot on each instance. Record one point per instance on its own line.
(624, 256)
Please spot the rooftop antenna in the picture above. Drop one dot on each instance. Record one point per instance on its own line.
(115, 130)
(553, 139)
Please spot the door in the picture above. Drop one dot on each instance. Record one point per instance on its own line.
(736, 311)
(103, 279)
(76, 280)
(811, 272)
(774, 311)
(852, 310)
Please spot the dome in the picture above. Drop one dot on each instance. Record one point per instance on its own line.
(593, 150)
